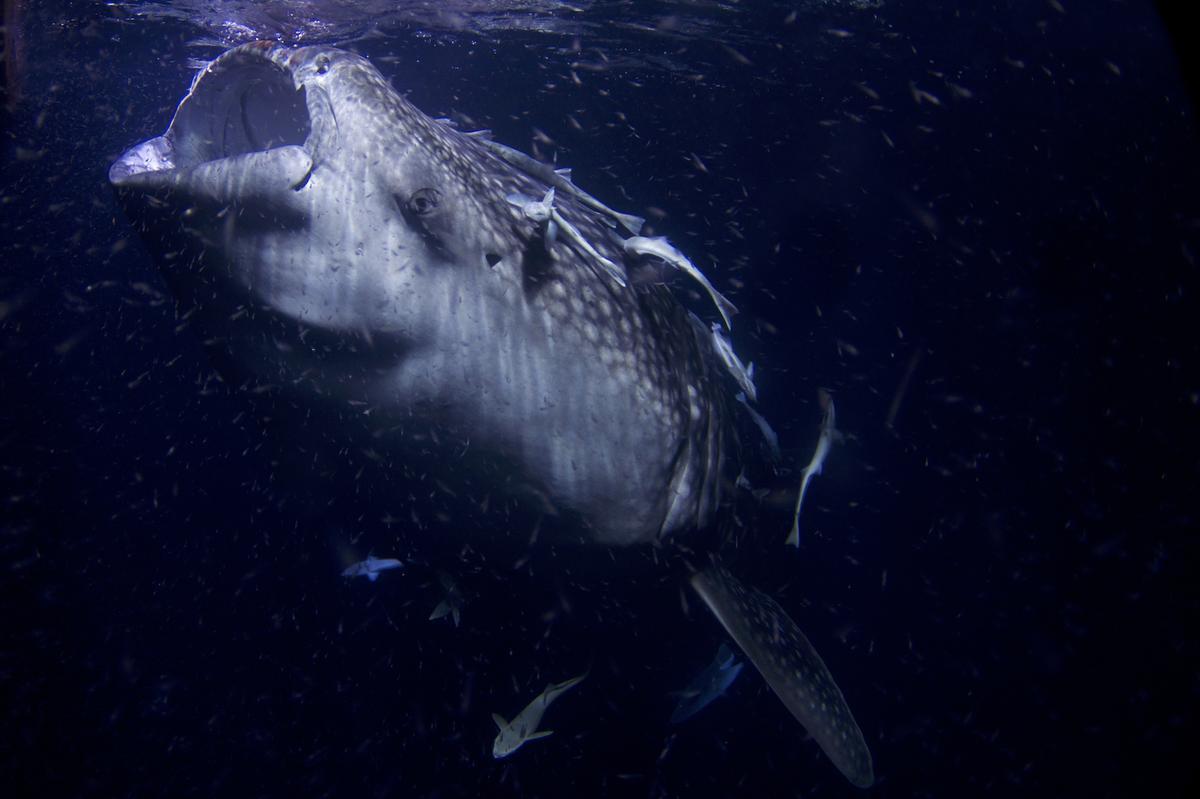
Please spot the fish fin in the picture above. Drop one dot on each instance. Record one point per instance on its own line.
(500, 722)
(541, 734)
(372, 576)
(631, 222)
(793, 538)
(440, 611)
(725, 308)
(790, 665)
(554, 690)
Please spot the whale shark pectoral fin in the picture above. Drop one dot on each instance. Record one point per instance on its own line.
(500, 721)
(533, 736)
(790, 665)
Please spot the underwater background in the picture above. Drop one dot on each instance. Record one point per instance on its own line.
(977, 228)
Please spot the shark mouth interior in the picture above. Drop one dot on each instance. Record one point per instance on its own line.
(241, 103)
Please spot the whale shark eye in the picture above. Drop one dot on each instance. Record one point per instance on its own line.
(424, 202)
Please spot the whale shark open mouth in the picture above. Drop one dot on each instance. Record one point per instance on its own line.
(244, 102)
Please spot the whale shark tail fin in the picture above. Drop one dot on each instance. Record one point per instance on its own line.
(790, 665)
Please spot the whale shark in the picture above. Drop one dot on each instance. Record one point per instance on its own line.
(332, 239)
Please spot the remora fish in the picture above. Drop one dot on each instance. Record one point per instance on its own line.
(295, 192)
(828, 433)
(452, 600)
(371, 568)
(512, 735)
(706, 686)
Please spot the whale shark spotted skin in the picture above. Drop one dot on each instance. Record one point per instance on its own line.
(297, 197)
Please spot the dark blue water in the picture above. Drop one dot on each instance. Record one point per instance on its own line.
(1004, 581)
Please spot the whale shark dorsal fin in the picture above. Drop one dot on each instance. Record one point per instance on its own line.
(790, 665)
(500, 722)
